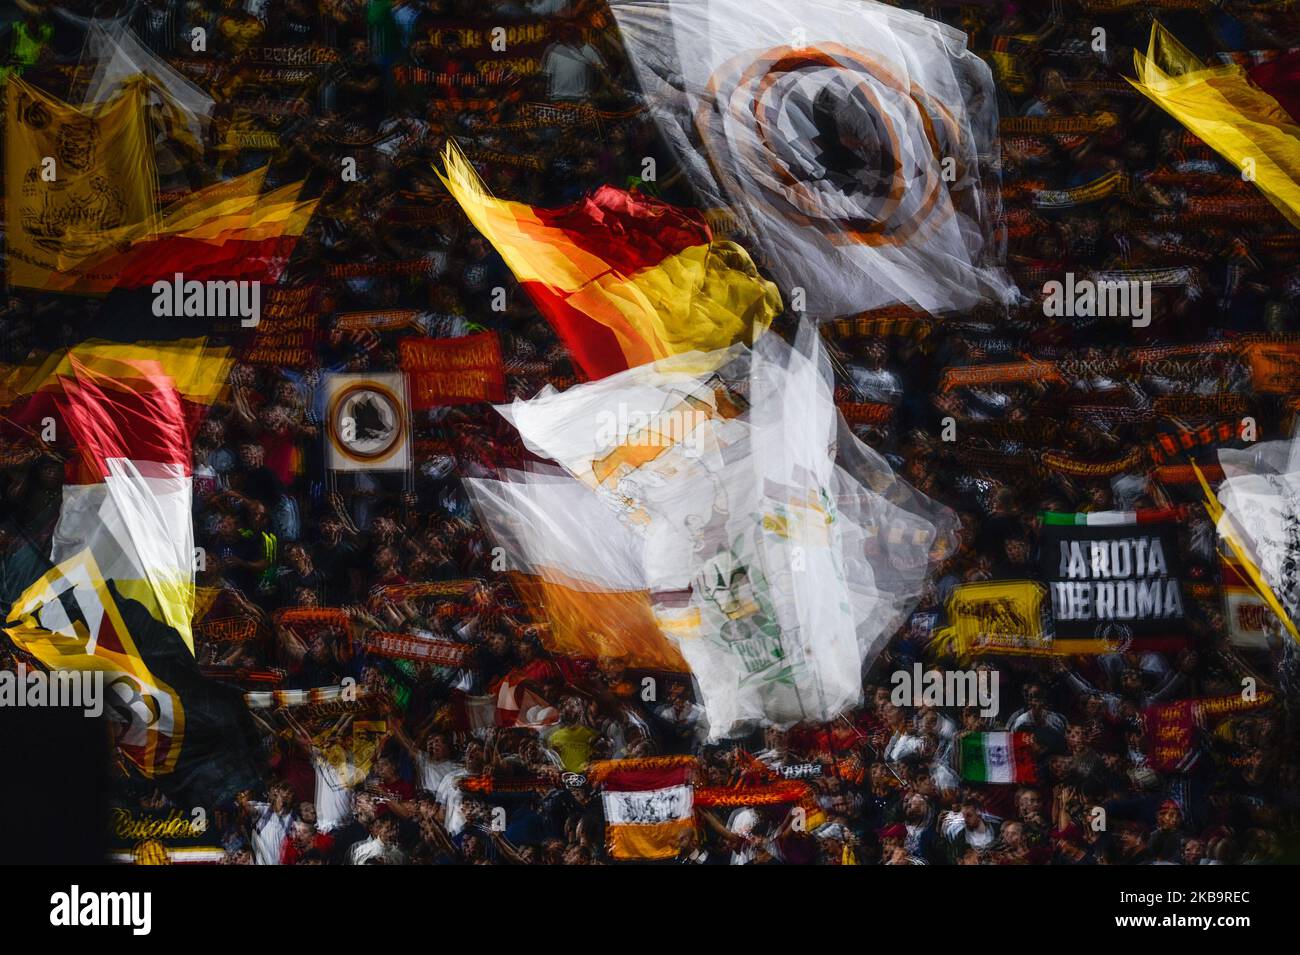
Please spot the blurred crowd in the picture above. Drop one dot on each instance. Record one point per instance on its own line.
(306, 84)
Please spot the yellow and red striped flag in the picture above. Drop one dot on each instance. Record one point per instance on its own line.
(227, 231)
(624, 278)
(119, 594)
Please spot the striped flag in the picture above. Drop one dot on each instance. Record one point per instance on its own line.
(119, 596)
(648, 805)
(996, 758)
(228, 231)
(576, 566)
(1111, 518)
(625, 279)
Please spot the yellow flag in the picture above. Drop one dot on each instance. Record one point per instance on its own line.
(1003, 616)
(1232, 116)
(352, 753)
(74, 178)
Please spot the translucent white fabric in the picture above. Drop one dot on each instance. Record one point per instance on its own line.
(779, 552)
(137, 523)
(121, 58)
(855, 143)
(1260, 495)
(549, 525)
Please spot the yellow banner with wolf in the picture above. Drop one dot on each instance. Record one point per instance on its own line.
(996, 616)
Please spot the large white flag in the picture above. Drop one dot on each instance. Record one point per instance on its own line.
(855, 143)
(778, 551)
(1260, 497)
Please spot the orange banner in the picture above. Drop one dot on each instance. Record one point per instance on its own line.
(1274, 367)
(453, 371)
(599, 624)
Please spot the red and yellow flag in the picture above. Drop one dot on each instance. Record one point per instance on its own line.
(227, 231)
(120, 588)
(1234, 117)
(648, 805)
(624, 278)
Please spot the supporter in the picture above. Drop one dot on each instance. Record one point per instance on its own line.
(412, 766)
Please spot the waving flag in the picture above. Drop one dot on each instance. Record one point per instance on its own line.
(119, 596)
(101, 178)
(227, 231)
(854, 142)
(625, 279)
(81, 203)
(1235, 118)
(996, 758)
(779, 552)
(576, 567)
(648, 805)
(121, 58)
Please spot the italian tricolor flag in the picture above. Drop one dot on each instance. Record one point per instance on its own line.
(648, 805)
(997, 758)
(1112, 518)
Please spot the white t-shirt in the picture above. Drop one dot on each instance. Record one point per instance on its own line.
(432, 772)
(954, 823)
(742, 823)
(333, 797)
(451, 799)
(1024, 720)
(269, 832)
(372, 848)
(902, 745)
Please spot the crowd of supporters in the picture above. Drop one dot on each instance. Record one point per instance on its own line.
(383, 83)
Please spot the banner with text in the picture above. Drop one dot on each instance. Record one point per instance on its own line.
(453, 371)
(1113, 577)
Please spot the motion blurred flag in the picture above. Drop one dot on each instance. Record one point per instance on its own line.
(229, 231)
(854, 142)
(121, 59)
(81, 202)
(1257, 513)
(351, 752)
(780, 553)
(129, 410)
(648, 805)
(576, 567)
(996, 758)
(119, 596)
(1233, 116)
(73, 177)
(1002, 616)
(624, 278)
